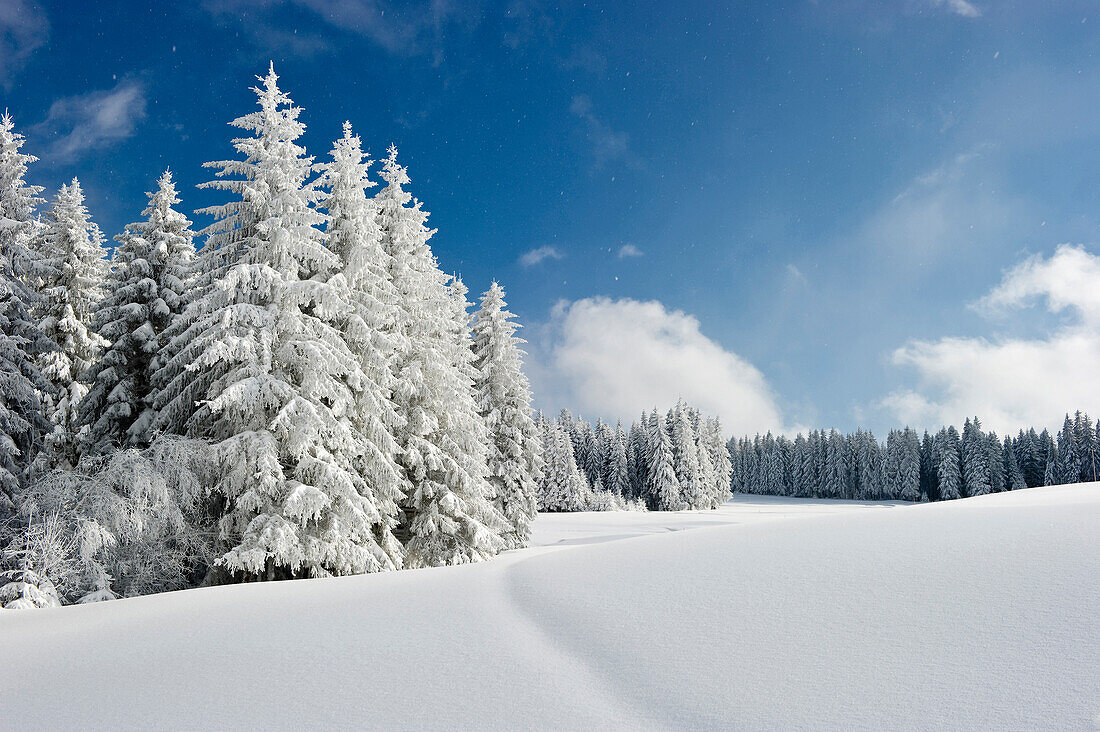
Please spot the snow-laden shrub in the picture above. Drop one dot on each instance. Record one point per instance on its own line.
(125, 524)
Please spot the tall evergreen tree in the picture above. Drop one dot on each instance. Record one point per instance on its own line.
(448, 516)
(1013, 476)
(928, 484)
(561, 486)
(685, 459)
(504, 401)
(1052, 475)
(949, 473)
(1088, 448)
(663, 485)
(22, 342)
(261, 369)
(616, 476)
(145, 291)
(70, 275)
(719, 458)
(974, 459)
(1070, 469)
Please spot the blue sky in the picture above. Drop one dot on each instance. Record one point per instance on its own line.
(796, 214)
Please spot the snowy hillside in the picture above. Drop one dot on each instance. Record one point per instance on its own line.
(977, 613)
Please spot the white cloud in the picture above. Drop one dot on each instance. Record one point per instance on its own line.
(613, 358)
(85, 122)
(23, 29)
(1014, 382)
(959, 7)
(629, 250)
(535, 256)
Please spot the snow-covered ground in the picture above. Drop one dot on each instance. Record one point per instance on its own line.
(771, 613)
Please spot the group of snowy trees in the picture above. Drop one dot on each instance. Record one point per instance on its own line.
(911, 468)
(305, 395)
(665, 462)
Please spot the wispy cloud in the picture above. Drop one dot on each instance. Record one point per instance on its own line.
(959, 7)
(608, 145)
(80, 124)
(23, 29)
(535, 256)
(398, 29)
(629, 250)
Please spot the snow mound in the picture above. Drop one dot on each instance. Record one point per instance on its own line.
(979, 613)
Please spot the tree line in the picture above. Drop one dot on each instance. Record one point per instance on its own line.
(950, 464)
(666, 462)
(304, 395)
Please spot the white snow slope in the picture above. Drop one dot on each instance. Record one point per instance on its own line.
(979, 613)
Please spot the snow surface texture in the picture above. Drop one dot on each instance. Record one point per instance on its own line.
(977, 613)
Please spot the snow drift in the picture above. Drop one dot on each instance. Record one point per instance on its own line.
(978, 613)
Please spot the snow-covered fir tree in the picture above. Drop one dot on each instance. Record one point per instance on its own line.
(448, 516)
(664, 487)
(22, 342)
(685, 459)
(719, 457)
(948, 471)
(261, 369)
(1014, 477)
(504, 402)
(561, 485)
(1070, 467)
(146, 288)
(70, 271)
(616, 472)
(369, 326)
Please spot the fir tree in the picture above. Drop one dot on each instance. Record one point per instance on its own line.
(975, 460)
(1069, 470)
(720, 462)
(145, 291)
(685, 458)
(22, 342)
(662, 482)
(561, 486)
(504, 401)
(1088, 448)
(448, 516)
(616, 473)
(1013, 476)
(948, 471)
(70, 275)
(260, 368)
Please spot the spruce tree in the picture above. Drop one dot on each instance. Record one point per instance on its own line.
(685, 458)
(260, 368)
(561, 486)
(975, 460)
(22, 342)
(447, 512)
(70, 275)
(928, 484)
(719, 459)
(1088, 448)
(616, 473)
(1069, 470)
(663, 485)
(504, 402)
(1013, 476)
(145, 291)
(949, 475)
(369, 325)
